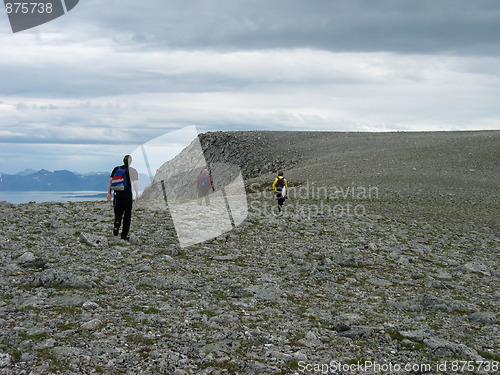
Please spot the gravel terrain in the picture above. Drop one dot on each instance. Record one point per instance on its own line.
(384, 261)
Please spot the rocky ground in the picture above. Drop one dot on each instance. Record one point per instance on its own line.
(379, 278)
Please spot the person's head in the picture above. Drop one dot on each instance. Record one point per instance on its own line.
(205, 171)
(280, 173)
(127, 160)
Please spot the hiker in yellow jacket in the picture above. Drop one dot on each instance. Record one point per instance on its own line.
(280, 189)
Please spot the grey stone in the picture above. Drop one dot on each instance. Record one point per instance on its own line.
(445, 348)
(445, 276)
(5, 359)
(357, 332)
(228, 257)
(438, 285)
(346, 260)
(483, 318)
(350, 318)
(409, 305)
(47, 344)
(63, 352)
(380, 282)
(300, 356)
(55, 278)
(476, 267)
(266, 292)
(417, 335)
(342, 327)
(434, 303)
(93, 240)
(66, 300)
(89, 305)
(28, 259)
(144, 268)
(224, 346)
(27, 357)
(310, 340)
(91, 325)
(134, 240)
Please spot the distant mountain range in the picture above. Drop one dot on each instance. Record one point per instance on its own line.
(43, 180)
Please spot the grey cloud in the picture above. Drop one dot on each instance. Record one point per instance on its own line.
(139, 28)
(78, 81)
(404, 26)
(88, 85)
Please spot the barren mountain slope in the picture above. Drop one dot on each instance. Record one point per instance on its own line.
(403, 279)
(458, 172)
(359, 157)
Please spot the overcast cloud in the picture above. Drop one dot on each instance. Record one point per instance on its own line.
(80, 91)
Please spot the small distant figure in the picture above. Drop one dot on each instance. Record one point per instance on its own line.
(204, 186)
(121, 181)
(280, 188)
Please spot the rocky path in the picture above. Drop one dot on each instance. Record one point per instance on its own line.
(278, 295)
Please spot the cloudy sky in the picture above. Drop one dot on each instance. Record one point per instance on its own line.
(80, 91)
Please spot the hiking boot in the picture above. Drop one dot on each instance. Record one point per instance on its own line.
(115, 230)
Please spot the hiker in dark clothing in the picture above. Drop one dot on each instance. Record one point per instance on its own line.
(280, 188)
(203, 186)
(121, 181)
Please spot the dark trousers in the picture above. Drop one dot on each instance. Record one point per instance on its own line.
(281, 200)
(123, 209)
(203, 193)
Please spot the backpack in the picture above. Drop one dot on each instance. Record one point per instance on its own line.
(203, 181)
(280, 184)
(119, 179)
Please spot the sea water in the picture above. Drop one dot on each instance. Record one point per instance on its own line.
(51, 196)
